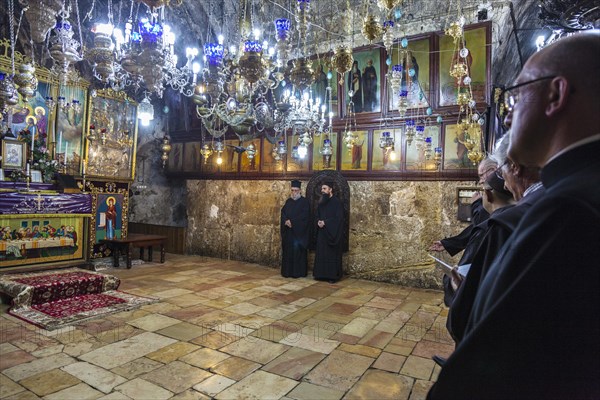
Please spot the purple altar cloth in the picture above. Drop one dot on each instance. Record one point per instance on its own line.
(40, 203)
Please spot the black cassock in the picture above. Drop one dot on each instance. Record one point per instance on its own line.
(328, 256)
(534, 327)
(294, 240)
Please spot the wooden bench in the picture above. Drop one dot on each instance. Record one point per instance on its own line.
(135, 240)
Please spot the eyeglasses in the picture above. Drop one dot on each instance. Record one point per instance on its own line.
(510, 96)
(486, 173)
(498, 171)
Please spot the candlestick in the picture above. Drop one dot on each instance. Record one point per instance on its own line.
(66, 152)
(59, 142)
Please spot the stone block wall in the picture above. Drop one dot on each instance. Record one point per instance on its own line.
(392, 225)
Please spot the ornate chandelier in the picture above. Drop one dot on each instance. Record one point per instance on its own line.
(141, 55)
(469, 121)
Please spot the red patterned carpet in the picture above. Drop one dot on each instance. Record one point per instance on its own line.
(55, 299)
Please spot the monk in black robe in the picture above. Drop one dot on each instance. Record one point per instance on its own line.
(524, 184)
(534, 328)
(294, 234)
(455, 244)
(330, 223)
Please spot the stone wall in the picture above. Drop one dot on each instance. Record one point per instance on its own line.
(391, 225)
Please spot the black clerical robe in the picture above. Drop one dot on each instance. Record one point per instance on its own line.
(501, 225)
(458, 243)
(294, 240)
(477, 233)
(533, 332)
(328, 255)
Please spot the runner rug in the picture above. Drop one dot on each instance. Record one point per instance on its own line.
(55, 299)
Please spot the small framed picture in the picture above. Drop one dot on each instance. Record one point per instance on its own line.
(13, 154)
(36, 176)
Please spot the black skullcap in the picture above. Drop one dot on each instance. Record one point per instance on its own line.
(497, 183)
(328, 183)
(296, 184)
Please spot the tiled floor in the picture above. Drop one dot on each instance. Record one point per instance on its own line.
(232, 330)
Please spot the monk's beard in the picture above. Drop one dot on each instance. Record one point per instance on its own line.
(295, 196)
(324, 199)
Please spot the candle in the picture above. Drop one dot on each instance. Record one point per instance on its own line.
(32, 142)
(27, 169)
(83, 167)
(59, 142)
(66, 151)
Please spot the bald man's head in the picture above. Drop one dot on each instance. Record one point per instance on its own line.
(557, 101)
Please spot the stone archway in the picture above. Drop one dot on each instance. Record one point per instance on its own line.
(340, 189)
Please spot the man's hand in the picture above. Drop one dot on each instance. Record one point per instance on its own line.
(457, 278)
(288, 223)
(436, 246)
(476, 196)
(321, 223)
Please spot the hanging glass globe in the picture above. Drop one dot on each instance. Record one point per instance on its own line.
(464, 52)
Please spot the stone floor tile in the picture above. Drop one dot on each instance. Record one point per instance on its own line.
(427, 349)
(183, 331)
(177, 376)
(114, 396)
(172, 352)
(165, 294)
(233, 329)
(38, 366)
(153, 322)
(26, 395)
(359, 327)
(339, 370)
(371, 312)
(375, 338)
(420, 390)
(215, 339)
(48, 351)
(255, 349)
(204, 358)
(122, 352)
(8, 387)
(96, 377)
(302, 315)
(276, 331)
(400, 346)
(186, 300)
(259, 385)
(49, 382)
(190, 394)
(344, 338)
(15, 358)
(303, 302)
(389, 362)
(412, 332)
(244, 308)
(253, 321)
(136, 368)
(141, 389)
(366, 351)
(214, 385)
(381, 302)
(77, 392)
(376, 384)
(308, 342)
(341, 308)
(294, 363)
(6, 348)
(418, 367)
(235, 368)
(308, 391)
